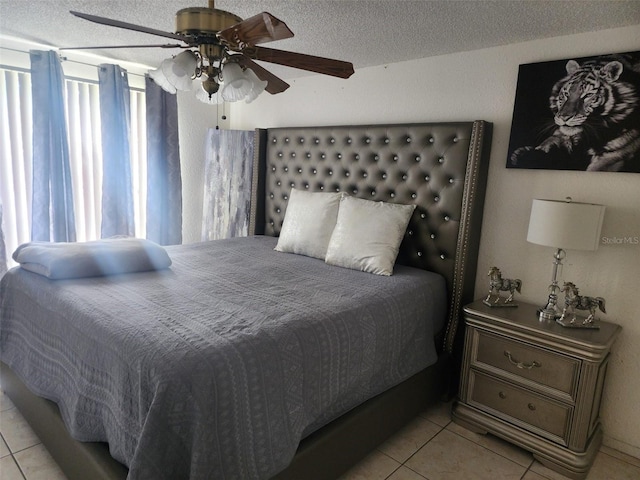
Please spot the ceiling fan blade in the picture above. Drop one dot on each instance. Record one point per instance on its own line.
(274, 83)
(167, 45)
(260, 28)
(326, 66)
(128, 26)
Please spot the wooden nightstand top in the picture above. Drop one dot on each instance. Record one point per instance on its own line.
(523, 322)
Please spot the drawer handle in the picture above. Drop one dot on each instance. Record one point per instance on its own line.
(529, 366)
(502, 395)
(531, 406)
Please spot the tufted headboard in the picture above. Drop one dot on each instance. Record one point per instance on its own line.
(439, 167)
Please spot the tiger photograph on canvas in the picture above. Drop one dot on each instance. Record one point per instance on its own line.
(578, 114)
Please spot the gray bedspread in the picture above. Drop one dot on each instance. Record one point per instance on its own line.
(217, 367)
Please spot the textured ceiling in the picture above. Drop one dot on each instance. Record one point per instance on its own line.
(365, 32)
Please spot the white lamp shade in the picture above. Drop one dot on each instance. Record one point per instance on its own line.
(257, 85)
(236, 84)
(203, 95)
(565, 224)
(159, 78)
(180, 69)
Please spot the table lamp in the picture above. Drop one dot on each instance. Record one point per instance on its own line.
(563, 224)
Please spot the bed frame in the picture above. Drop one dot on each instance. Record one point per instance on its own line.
(440, 167)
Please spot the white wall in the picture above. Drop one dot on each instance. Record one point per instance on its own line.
(481, 85)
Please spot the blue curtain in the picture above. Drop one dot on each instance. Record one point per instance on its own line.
(164, 180)
(117, 195)
(52, 217)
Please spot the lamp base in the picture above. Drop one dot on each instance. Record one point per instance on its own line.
(547, 314)
(551, 311)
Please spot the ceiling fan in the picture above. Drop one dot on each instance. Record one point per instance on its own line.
(216, 39)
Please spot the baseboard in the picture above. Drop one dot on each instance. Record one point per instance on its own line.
(610, 443)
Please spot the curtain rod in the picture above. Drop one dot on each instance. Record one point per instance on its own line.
(63, 59)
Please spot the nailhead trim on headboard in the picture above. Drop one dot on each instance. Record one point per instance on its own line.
(434, 166)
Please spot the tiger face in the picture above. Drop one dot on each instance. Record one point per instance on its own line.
(586, 92)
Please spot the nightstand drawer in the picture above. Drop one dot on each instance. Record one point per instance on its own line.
(550, 419)
(528, 362)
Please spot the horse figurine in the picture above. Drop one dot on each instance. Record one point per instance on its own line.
(574, 301)
(498, 284)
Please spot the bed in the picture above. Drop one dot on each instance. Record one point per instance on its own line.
(441, 168)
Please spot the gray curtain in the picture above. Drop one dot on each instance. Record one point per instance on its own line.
(227, 186)
(117, 195)
(52, 217)
(164, 181)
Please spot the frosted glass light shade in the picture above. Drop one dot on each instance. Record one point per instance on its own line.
(565, 224)
(257, 85)
(180, 69)
(203, 95)
(236, 84)
(161, 80)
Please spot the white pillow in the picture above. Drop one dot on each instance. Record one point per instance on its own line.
(308, 223)
(368, 234)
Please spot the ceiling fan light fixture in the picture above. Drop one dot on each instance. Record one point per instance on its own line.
(222, 38)
(236, 84)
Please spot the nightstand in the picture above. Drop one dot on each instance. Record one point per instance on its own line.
(535, 384)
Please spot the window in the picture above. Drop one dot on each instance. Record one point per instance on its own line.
(85, 152)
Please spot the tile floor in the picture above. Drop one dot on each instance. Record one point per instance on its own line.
(431, 447)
